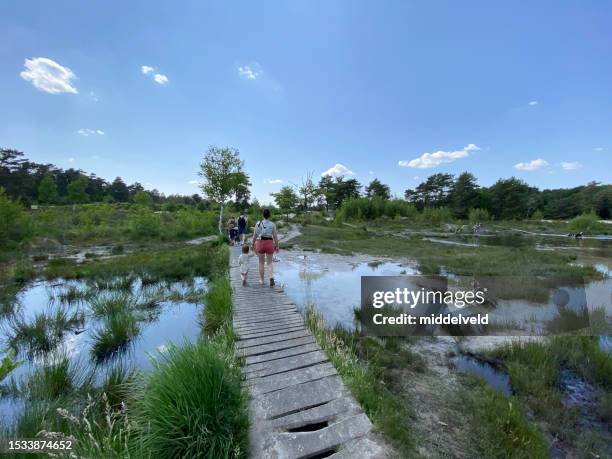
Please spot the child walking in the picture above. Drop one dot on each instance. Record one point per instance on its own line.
(243, 263)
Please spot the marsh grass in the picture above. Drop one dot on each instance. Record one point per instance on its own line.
(533, 271)
(57, 377)
(535, 370)
(498, 424)
(193, 404)
(363, 378)
(172, 262)
(106, 305)
(119, 330)
(217, 305)
(74, 294)
(45, 331)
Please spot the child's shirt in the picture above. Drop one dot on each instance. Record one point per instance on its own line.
(243, 262)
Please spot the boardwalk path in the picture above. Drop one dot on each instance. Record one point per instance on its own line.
(299, 406)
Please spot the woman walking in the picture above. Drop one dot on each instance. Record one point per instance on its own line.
(265, 241)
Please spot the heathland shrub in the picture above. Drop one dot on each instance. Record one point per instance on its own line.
(478, 215)
(144, 224)
(437, 216)
(372, 208)
(193, 404)
(587, 223)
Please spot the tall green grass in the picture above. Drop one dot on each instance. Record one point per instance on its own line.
(193, 404)
(217, 305)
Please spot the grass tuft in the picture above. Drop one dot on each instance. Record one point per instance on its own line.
(119, 331)
(193, 404)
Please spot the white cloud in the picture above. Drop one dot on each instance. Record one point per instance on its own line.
(160, 78)
(71, 160)
(599, 149)
(338, 170)
(429, 160)
(273, 181)
(531, 165)
(48, 76)
(193, 182)
(533, 103)
(250, 71)
(88, 132)
(570, 166)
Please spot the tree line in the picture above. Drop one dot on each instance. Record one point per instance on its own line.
(509, 198)
(36, 183)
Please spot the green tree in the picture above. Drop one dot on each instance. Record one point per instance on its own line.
(308, 192)
(512, 199)
(464, 195)
(286, 200)
(142, 198)
(76, 190)
(47, 190)
(222, 171)
(327, 190)
(377, 188)
(119, 190)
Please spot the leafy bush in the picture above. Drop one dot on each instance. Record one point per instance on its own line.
(15, 223)
(586, 223)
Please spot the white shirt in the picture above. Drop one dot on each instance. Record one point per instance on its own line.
(243, 263)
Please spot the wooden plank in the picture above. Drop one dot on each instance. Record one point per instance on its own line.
(244, 343)
(279, 346)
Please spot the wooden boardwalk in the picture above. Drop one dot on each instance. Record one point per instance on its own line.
(299, 406)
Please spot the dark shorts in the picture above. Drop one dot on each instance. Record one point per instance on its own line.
(242, 230)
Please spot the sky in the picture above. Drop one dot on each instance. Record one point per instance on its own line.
(394, 90)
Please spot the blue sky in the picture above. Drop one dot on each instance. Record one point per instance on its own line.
(397, 90)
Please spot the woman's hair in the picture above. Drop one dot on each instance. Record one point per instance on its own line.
(245, 248)
(266, 213)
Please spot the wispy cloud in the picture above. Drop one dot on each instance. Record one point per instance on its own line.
(599, 149)
(71, 159)
(570, 166)
(48, 76)
(273, 181)
(533, 103)
(250, 71)
(159, 78)
(532, 165)
(88, 132)
(93, 96)
(429, 160)
(193, 182)
(339, 170)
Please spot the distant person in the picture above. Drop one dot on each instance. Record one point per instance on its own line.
(242, 227)
(477, 229)
(233, 230)
(265, 240)
(243, 264)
